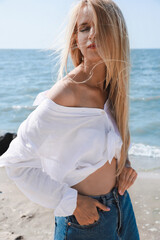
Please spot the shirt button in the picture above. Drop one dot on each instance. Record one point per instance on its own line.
(69, 223)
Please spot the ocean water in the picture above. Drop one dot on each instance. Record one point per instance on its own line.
(25, 73)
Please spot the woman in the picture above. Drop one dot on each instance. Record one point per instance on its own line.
(70, 153)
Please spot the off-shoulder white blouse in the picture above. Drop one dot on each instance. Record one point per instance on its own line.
(57, 147)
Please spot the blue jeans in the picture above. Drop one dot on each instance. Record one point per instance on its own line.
(117, 224)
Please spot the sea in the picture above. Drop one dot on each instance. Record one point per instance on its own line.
(25, 73)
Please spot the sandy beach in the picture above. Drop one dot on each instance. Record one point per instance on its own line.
(22, 219)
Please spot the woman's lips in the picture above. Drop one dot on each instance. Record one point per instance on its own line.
(92, 46)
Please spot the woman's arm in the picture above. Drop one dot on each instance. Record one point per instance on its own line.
(41, 189)
(22, 161)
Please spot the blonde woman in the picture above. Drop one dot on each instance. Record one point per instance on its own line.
(70, 154)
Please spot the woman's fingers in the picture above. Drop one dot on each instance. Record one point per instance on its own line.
(86, 211)
(131, 180)
(129, 174)
(126, 179)
(101, 206)
(121, 181)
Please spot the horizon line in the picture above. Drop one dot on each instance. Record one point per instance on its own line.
(44, 49)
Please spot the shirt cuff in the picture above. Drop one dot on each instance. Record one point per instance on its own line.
(68, 203)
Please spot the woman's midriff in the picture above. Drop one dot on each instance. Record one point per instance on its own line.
(99, 182)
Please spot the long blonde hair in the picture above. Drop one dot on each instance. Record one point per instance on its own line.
(113, 42)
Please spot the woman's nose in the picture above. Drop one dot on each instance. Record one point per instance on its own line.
(91, 33)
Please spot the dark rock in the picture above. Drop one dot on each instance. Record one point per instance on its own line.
(5, 141)
(30, 216)
(19, 238)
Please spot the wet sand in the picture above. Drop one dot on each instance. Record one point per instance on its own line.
(22, 219)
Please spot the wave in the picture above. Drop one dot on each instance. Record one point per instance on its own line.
(17, 107)
(144, 150)
(145, 99)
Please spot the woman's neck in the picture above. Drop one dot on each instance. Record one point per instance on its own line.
(95, 72)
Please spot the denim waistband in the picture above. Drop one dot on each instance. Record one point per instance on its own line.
(107, 196)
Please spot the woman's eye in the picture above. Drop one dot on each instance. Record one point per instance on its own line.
(85, 29)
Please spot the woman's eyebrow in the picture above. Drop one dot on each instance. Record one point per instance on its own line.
(83, 24)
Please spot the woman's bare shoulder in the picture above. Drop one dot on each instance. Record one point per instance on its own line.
(63, 93)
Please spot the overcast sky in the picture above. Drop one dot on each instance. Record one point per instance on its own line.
(36, 23)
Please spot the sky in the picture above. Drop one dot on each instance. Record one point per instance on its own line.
(29, 24)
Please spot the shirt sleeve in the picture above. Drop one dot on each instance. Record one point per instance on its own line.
(41, 189)
(22, 162)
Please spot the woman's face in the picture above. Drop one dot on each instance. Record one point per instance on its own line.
(86, 35)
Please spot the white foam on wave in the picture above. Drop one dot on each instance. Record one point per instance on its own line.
(18, 107)
(144, 150)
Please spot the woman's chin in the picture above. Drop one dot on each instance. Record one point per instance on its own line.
(93, 58)
(95, 61)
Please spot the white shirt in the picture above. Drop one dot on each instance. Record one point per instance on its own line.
(57, 147)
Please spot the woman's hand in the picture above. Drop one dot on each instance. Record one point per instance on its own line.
(86, 211)
(126, 179)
